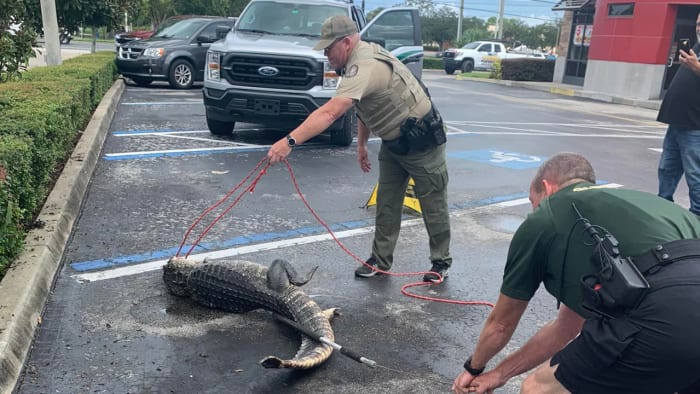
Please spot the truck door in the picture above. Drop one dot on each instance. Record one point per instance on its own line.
(399, 31)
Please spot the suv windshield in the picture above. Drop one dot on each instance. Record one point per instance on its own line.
(182, 30)
(287, 18)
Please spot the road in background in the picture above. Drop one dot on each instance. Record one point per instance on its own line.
(111, 327)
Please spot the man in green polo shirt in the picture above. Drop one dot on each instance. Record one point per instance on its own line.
(651, 347)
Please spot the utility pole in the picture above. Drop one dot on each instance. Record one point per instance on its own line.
(52, 56)
(499, 34)
(459, 21)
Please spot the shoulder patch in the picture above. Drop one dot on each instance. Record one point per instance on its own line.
(352, 71)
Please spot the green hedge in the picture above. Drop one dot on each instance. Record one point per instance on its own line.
(432, 63)
(527, 69)
(42, 115)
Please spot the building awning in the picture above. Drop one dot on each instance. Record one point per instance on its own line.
(567, 5)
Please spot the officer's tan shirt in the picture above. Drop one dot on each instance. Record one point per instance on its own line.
(366, 80)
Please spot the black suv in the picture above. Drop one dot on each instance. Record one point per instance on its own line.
(175, 54)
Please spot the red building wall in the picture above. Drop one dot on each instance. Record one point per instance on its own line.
(644, 37)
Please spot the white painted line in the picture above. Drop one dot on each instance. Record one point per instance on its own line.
(550, 134)
(179, 102)
(469, 122)
(172, 151)
(656, 149)
(136, 134)
(158, 264)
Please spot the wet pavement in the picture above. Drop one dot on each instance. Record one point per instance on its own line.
(110, 326)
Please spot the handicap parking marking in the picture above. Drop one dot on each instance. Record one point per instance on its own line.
(499, 158)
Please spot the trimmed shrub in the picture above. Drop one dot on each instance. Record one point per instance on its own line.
(432, 63)
(42, 115)
(527, 69)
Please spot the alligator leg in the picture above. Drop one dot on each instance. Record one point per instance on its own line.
(281, 274)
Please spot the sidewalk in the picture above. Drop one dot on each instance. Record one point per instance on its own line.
(570, 90)
(65, 54)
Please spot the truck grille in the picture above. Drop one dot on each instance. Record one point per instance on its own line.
(448, 54)
(295, 73)
(129, 53)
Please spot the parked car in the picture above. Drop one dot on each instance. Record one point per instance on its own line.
(176, 54)
(124, 37)
(477, 55)
(266, 71)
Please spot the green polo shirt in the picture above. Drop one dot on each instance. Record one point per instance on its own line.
(549, 246)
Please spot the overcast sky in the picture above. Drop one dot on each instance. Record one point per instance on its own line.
(532, 12)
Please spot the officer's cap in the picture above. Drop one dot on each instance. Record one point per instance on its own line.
(335, 28)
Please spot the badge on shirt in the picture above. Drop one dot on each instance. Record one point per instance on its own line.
(352, 71)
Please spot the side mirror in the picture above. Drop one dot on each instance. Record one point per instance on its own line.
(222, 31)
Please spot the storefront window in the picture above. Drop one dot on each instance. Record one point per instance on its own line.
(577, 56)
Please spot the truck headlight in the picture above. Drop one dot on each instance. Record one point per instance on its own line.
(154, 52)
(330, 77)
(213, 66)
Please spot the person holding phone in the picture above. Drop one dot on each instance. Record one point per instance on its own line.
(680, 109)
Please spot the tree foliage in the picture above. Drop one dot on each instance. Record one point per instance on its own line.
(16, 38)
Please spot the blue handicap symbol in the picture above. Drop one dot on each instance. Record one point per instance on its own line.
(500, 158)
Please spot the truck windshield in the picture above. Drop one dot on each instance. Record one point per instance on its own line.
(182, 30)
(287, 18)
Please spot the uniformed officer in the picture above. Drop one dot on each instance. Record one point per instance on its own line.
(391, 103)
(649, 345)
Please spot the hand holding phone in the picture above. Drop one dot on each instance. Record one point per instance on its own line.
(684, 45)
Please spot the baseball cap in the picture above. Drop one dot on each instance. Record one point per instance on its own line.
(334, 28)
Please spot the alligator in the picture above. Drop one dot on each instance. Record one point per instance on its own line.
(240, 286)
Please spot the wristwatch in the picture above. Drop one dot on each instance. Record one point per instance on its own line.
(472, 371)
(291, 142)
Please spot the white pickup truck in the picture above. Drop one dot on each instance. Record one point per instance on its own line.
(477, 55)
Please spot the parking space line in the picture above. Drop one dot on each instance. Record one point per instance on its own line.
(179, 102)
(457, 131)
(181, 152)
(136, 264)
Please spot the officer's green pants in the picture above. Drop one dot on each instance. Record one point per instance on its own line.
(429, 172)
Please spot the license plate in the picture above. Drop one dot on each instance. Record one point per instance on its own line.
(267, 107)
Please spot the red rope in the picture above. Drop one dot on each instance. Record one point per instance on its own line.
(404, 288)
(224, 198)
(251, 188)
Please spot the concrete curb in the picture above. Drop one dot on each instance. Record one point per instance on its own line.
(27, 284)
(571, 92)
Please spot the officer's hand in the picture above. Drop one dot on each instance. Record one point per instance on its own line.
(363, 158)
(461, 384)
(487, 383)
(279, 151)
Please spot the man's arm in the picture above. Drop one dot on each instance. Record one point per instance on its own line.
(315, 124)
(543, 345)
(362, 137)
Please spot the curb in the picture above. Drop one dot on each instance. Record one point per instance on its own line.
(571, 92)
(27, 284)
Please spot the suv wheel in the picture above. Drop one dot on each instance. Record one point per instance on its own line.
(343, 136)
(181, 74)
(449, 70)
(141, 81)
(468, 66)
(217, 127)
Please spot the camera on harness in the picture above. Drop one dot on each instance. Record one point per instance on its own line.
(618, 285)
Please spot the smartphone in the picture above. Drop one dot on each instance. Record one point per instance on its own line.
(684, 44)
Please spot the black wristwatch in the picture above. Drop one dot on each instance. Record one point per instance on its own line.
(291, 142)
(472, 371)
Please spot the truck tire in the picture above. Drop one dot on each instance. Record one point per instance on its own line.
(219, 128)
(449, 70)
(467, 66)
(141, 81)
(344, 135)
(181, 74)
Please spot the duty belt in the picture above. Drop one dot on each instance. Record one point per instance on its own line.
(667, 253)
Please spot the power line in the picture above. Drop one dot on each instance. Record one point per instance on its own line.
(496, 12)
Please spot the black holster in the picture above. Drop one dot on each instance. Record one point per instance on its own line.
(420, 135)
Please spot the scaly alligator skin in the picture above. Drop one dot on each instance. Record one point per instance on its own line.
(240, 286)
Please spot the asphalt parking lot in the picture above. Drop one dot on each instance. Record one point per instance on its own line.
(111, 327)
